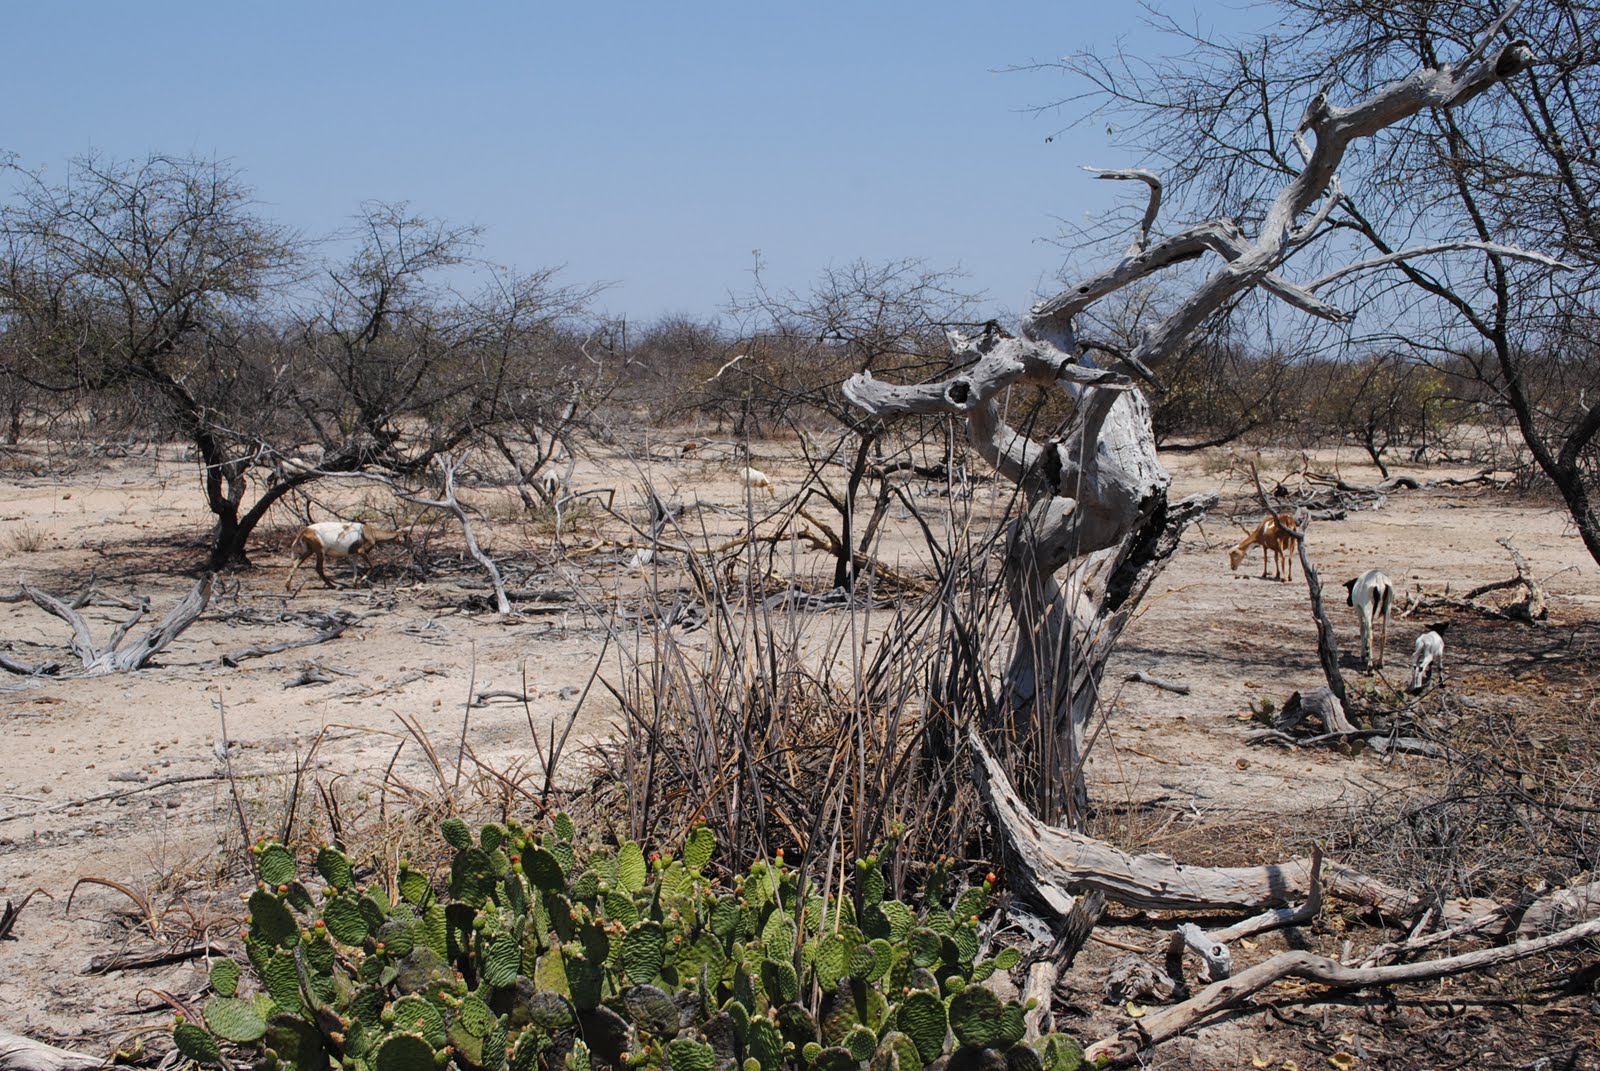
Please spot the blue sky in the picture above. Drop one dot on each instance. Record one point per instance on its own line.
(653, 146)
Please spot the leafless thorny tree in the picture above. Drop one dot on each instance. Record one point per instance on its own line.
(1095, 494)
(1517, 167)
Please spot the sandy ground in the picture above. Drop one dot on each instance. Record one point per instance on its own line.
(115, 777)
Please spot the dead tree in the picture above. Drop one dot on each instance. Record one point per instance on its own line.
(113, 657)
(1095, 490)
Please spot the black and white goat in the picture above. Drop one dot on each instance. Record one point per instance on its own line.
(1371, 594)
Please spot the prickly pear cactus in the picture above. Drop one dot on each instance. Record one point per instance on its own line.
(525, 943)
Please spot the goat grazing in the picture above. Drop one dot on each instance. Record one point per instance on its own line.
(1371, 594)
(755, 478)
(1272, 534)
(1426, 659)
(337, 539)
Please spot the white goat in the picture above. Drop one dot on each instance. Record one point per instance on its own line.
(1371, 594)
(1427, 658)
(755, 478)
(337, 539)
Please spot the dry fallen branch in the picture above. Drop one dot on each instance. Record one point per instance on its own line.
(110, 658)
(1053, 865)
(18, 1053)
(1170, 1022)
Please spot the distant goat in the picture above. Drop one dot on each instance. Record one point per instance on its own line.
(1371, 594)
(1272, 534)
(1427, 658)
(755, 478)
(337, 539)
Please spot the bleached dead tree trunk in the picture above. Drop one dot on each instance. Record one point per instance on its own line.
(1095, 492)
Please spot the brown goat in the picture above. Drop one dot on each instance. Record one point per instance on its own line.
(337, 539)
(1269, 535)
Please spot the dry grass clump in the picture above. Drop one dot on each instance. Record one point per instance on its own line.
(822, 725)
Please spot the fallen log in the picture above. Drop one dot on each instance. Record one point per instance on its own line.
(18, 1053)
(1053, 865)
(113, 657)
(1168, 1023)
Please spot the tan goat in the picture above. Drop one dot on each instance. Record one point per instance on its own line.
(337, 539)
(1272, 534)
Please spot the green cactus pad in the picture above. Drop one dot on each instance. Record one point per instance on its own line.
(971, 902)
(345, 921)
(607, 1034)
(897, 1052)
(725, 917)
(544, 870)
(651, 1011)
(965, 941)
(235, 1020)
(835, 1058)
(197, 1044)
(375, 911)
(1022, 1058)
(271, 921)
(926, 947)
(1059, 1053)
(699, 848)
(642, 949)
(491, 837)
(631, 868)
(281, 979)
(797, 1025)
(529, 1048)
(413, 885)
(403, 1052)
(225, 976)
(501, 962)
(335, 869)
(684, 1054)
(923, 1019)
(976, 1016)
(740, 1013)
(890, 920)
(619, 906)
(1007, 959)
(778, 935)
(562, 826)
(417, 1015)
(562, 850)
(779, 980)
(1013, 1027)
(765, 1043)
(578, 1059)
(472, 876)
(456, 833)
(549, 1013)
(297, 1043)
(275, 864)
(587, 887)
(398, 937)
(861, 1042)
(873, 886)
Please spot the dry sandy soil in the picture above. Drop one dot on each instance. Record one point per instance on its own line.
(116, 777)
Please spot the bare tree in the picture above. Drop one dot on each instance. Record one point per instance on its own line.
(1094, 493)
(860, 318)
(148, 275)
(1519, 167)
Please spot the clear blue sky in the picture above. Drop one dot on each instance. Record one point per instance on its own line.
(650, 145)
